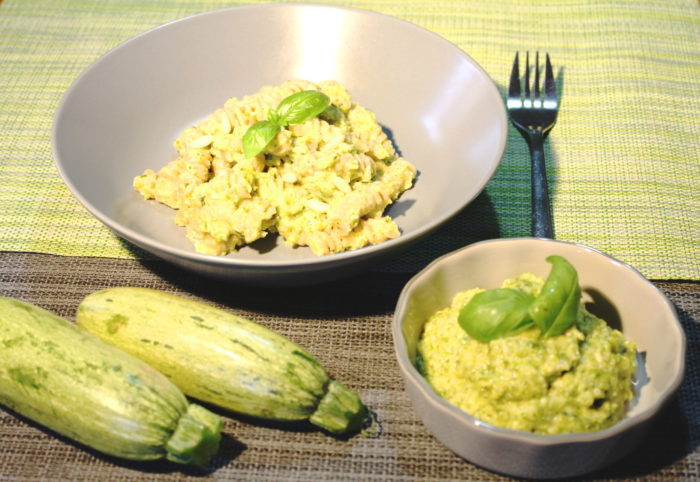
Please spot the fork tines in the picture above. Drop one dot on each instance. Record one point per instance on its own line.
(524, 100)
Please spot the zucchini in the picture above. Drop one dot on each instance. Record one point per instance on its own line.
(221, 358)
(70, 381)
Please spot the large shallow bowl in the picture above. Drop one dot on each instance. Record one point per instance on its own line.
(122, 114)
(611, 289)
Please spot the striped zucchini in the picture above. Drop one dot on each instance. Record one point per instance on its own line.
(70, 381)
(221, 358)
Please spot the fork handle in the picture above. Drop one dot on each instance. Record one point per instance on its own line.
(541, 209)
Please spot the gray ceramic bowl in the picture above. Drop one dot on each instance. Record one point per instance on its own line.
(122, 114)
(646, 317)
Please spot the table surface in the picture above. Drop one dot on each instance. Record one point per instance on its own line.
(623, 164)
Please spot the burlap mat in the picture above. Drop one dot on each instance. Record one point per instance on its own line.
(622, 159)
(346, 325)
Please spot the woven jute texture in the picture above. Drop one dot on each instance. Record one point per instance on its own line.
(622, 159)
(346, 326)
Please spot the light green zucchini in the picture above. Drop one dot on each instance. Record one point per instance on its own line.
(221, 358)
(70, 381)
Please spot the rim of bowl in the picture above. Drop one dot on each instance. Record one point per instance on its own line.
(149, 243)
(443, 405)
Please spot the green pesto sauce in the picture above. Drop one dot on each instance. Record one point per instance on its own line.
(579, 381)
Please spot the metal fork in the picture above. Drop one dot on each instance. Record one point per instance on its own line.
(534, 116)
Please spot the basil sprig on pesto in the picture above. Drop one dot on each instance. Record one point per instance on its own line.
(496, 313)
(503, 312)
(555, 308)
(295, 109)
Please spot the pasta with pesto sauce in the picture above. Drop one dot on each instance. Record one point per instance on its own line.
(324, 183)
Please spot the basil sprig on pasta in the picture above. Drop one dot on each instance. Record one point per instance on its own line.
(503, 312)
(295, 109)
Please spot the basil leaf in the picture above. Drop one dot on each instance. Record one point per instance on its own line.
(302, 106)
(331, 114)
(258, 136)
(556, 307)
(274, 117)
(495, 314)
(568, 313)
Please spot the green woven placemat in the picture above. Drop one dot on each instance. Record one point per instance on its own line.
(624, 158)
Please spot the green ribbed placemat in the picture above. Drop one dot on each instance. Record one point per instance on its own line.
(624, 158)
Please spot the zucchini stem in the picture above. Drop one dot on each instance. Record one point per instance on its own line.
(340, 410)
(196, 437)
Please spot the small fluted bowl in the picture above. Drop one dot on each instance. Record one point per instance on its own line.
(646, 317)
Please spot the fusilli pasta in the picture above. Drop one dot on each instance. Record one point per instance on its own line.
(324, 183)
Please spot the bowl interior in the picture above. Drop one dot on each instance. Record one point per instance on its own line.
(612, 290)
(123, 113)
